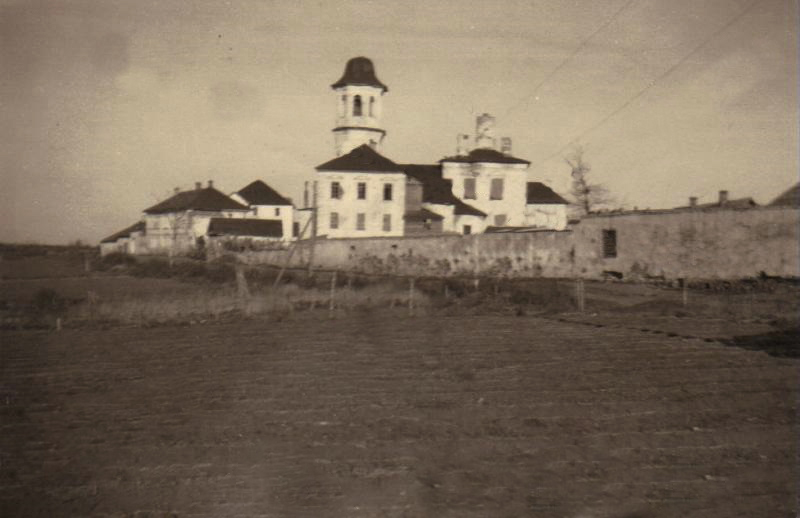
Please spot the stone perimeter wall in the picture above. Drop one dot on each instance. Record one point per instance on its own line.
(700, 244)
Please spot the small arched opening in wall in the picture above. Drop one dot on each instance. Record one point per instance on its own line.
(371, 106)
(357, 106)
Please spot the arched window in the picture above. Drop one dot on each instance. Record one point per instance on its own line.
(371, 106)
(357, 106)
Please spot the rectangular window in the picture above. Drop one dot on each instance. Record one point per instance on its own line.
(336, 190)
(387, 192)
(362, 191)
(467, 230)
(496, 192)
(277, 211)
(609, 243)
(500, 220)
(469, 188)
(334, 220)
(361, 221)
(387, 222)
(295, 229)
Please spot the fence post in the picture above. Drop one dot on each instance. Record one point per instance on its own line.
(581, 295)
(685, 292)
(411, 297)
(332, 305)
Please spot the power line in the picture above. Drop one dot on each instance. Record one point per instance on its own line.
(567, 60)
(653, 82)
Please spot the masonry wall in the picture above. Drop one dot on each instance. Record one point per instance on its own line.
(537, 254)
(703, 244)
(694, 244)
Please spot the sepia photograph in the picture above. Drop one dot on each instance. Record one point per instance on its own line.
(408, 259)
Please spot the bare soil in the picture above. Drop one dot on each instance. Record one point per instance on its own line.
(385, 415)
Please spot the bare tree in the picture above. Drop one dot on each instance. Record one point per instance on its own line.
(588, 196)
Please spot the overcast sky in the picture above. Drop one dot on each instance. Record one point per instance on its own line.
(106, 106)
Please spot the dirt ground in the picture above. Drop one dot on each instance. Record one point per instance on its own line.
(394, 416)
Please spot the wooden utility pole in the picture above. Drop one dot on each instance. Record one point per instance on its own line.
(313, 228)
(332, 305)
(292, 248)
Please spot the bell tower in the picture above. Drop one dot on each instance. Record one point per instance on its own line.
(359, 96)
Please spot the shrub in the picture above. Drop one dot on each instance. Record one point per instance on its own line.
(47, 300)
(115, 258)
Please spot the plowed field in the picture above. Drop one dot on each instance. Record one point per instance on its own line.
(393, 416)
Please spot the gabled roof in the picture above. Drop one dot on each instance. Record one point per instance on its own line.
(485, 155)
(435, 189)
(464, 209)
(259, 193)
(422, 215)
(540, 194)
(359, 71)
(361, 159)
(245, 227)
(208, 199)
(790, 198)
(136, 227)
(438, 190)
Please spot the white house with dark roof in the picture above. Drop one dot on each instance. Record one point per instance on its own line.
(180, 223)
(544, 208)
(361, 193)
(266, 203)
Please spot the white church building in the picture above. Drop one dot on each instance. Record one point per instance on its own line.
(361, 193)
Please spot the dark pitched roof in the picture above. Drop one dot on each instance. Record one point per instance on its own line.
(790, 198)
(359, 71)
(422, 215)
(208, 199)
(436, 189)
(362, 159)
(485, 155)
(739, 203)
(136, 227)
(540, 194)
(259, 193)
(245, 227)
(464, 209)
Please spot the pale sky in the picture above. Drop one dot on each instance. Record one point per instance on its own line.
(108, 105)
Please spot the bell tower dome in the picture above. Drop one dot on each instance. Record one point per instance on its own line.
(358, 97)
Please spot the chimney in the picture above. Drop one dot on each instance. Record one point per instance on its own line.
(210, 184)
(693, 201)
(176, 190)
(484, 131)
(505, 145)
(723, 197)
(198, 185)
(462, 145)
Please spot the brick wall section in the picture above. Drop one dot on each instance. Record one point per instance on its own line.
(703, 244)
(537, 254)
(699, 244)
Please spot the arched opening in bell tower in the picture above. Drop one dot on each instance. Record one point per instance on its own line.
(357, 106)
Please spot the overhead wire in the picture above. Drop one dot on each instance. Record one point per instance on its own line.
(655, 81)
(569, 58)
